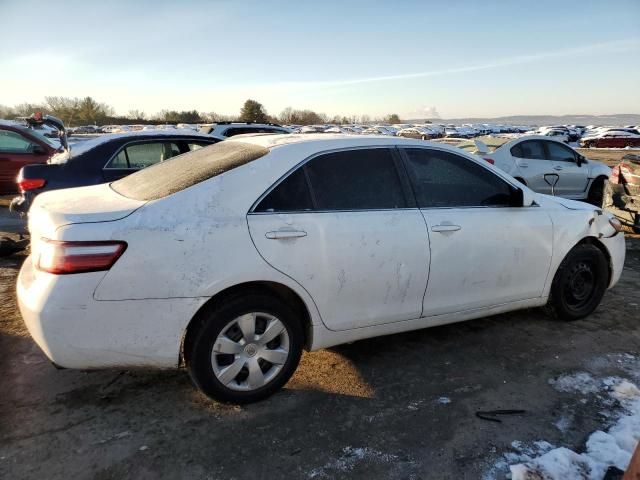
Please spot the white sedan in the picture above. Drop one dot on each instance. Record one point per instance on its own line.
(233, 258)
(549, 166)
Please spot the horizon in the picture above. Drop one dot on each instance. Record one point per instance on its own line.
(416, 59)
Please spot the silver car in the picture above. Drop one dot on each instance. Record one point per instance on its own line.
(549, 166)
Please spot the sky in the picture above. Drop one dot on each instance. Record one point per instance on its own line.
(415, 58)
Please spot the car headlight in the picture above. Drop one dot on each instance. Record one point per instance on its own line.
(616, 224)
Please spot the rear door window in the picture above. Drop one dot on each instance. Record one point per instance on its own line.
(531, 149)
(363, 179)
(12, 142)
(291, 195)
(142, 155)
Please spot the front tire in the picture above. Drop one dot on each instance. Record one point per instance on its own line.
(579, 284)
(245, 349)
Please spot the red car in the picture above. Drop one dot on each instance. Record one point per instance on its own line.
(20, 146)
(612, 139)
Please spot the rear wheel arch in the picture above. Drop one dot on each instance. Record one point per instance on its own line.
(275, 289)
(596, 190)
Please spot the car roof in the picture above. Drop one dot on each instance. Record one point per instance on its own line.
(10, 124)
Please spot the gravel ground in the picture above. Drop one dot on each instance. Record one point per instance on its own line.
(395, 407)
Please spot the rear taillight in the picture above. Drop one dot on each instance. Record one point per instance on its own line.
(25, 184)
(490, 160)
(61, 258)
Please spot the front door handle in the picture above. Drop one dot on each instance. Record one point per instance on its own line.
(279, 234)
(445, 228)
(524, 164)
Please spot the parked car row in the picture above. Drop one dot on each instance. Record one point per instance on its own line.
(103, 159)
(21, 146)
(426, 130)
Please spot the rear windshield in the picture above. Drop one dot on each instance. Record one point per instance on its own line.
(184, 171)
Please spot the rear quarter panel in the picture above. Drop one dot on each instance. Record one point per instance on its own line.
(194, 243)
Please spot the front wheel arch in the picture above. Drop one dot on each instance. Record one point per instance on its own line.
(558, 303)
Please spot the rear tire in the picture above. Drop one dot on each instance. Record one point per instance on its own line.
(596, 192)
(230, 355)
(579, 284)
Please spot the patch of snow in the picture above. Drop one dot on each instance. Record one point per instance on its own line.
(521, 452)
(563, 423)
(581, 382)
(349, 458)
(444, 400)
(603, 449)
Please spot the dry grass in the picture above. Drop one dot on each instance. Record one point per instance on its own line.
(610, 157)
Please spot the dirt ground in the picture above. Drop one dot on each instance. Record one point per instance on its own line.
(608, 156)
(396, 407)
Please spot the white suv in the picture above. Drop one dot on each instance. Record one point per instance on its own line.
(230, 129)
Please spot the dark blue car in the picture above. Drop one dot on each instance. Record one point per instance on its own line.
(104, 159)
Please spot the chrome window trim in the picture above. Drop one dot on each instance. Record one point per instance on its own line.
(500, 174)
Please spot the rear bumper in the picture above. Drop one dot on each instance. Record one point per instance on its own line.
(76, 331)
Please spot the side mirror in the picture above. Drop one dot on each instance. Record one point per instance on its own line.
(38, 150)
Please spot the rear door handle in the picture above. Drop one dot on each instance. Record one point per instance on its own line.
(445, 228)
(278, 234)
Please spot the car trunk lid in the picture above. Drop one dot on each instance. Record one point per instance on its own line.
(98, 203)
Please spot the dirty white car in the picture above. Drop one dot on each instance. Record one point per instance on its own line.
(549, 166)
(235, 257)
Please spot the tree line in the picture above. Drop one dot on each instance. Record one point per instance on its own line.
(88, 111)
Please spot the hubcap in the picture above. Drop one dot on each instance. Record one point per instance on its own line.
(250, 351)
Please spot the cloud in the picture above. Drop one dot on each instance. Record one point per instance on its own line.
(424, 112)
(619, 45)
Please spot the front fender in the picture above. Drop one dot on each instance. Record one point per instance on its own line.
(572, 226)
